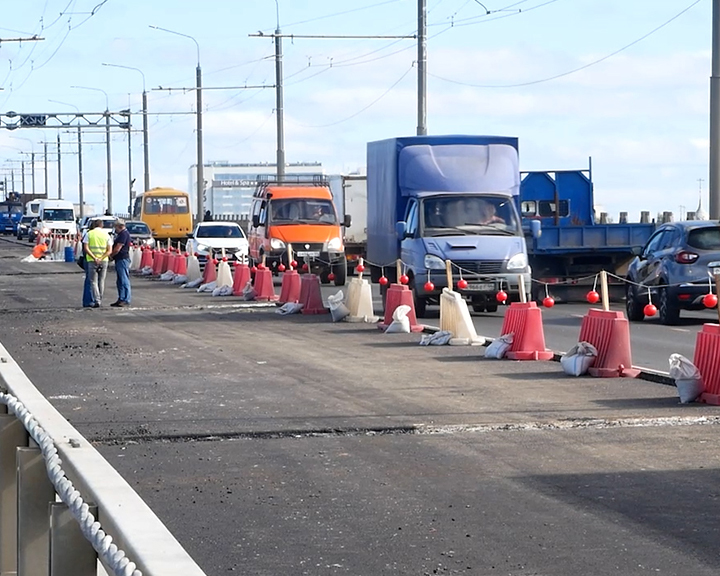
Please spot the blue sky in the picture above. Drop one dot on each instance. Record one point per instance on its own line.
(641, 114)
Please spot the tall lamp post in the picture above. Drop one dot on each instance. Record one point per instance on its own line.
(146, 161)
(32, 161)
(81, 193)
(107, 143)
(198, 89)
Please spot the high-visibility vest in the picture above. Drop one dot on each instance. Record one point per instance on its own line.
(97, 243)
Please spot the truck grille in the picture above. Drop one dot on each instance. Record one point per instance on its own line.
(313, 247)
(485, 267)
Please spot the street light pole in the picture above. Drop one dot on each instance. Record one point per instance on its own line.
(422, 70)
(80, 174)
(200, 177)
(59, 168)
(108, 157)
(146, 155)
(279, 106)
(46, 174)
(714, 207)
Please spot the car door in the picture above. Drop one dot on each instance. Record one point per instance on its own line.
(412, 251)
(648, 267)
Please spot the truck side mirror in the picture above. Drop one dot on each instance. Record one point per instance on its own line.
(535, 228)
(347, 221)
(256, 220)
(401, 230)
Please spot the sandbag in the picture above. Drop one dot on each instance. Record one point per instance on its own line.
(499, 347)
(688, 379)
(338, 310)
(289, 308)
(439, 338)
(248, 292)
(577, 360)
(223, 291)
(401, 322)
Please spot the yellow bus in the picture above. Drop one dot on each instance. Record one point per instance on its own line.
(166, 211)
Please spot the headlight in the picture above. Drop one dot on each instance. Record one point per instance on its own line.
(277, 244)
(46, 230)
(517, 262)
(202, 248)
(433, 262)
(335, 244)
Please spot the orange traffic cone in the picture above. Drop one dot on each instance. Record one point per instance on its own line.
(264, 285)
(397, 295)
(310, 295)
(524, 322)
(240, 278)
(609, 332)
(210, 273)
(290, 289)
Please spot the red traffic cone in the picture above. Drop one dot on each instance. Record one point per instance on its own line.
(210, 272)
(310, 295)
(264, 285)
(707, 360)
(241, 277)
(524, 321)
(397, 295)
(290, 289)
(180, 264)
(158, 263)
(609, 332)
(147, 259)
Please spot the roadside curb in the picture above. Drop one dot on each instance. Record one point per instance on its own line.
(647, 374)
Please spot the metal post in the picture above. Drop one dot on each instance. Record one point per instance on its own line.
(32, 172)
(130, 178)
(12, 435)
(59, 169)
(715, 116)
(80, 174)
(279, 107)
(146, 159)
(71, 554)
(109, 160)
(422, 70)
(34, 493)
(47, 195)
(12, 179)
(22, 168)
(199, 171)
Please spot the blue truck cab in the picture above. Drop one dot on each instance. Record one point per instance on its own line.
(11, 213)
(438, 198)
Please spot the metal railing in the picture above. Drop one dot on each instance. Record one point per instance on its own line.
(62, 506)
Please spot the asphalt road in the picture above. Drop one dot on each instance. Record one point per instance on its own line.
(291, 445)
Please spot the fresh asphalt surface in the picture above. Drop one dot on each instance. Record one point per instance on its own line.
(290, 445)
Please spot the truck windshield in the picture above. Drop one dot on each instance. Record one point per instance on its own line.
(303, 211)
(7, 208)
(470, 215)
(58, 214)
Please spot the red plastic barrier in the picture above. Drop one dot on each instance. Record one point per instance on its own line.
(264, 285)
(158, 263)
(180, 264)
(609, 332)
(707, 360)
(310, 295)
(147, 259)
(397, 295)
(290, 289)
(524, 321)
(210, 272)
(168, 261)
(240, 278)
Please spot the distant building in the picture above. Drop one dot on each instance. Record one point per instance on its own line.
(229, 186)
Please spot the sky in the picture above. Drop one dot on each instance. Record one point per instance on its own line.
(625, 84)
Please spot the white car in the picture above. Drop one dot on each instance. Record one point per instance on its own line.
(210, 239)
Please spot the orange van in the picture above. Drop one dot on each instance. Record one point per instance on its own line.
(304, 216)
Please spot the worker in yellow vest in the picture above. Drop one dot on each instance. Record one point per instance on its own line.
(97, 246)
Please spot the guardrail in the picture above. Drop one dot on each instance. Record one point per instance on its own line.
(43, 459)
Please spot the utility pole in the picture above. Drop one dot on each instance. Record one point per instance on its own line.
(47, 195)
(199, 172)
(714, 207)
(422, 68)
(32, 158)
(80, 174)
(59, 169)
(130, 178)
(146, 159)
(279, 106)
(22, 168)
(109, 161)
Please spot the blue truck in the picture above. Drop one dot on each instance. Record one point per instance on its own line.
(437, 198)
(11, 213)
(573, 246)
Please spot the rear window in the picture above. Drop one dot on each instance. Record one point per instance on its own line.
(705, 238)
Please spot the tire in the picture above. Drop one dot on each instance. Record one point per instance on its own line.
(420, 303)
(491, 308)
(668, 311)
(478, 307)
(633, 309)
(340, 271)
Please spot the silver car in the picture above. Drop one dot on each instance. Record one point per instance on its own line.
(676, 269)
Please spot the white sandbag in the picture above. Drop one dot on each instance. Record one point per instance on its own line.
(439, 338)
(499, 347)
(338, 310)
(192, 283)
(167, 276)
(180, 279)
(289, 308)
(401, 322)
(209, 287)
(147, 271)
(223, 291)
(688, 379)
(577, 360)
(248, 292)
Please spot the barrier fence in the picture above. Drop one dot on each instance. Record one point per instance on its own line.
(62, 505)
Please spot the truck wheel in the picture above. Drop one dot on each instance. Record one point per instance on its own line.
(478, 307)
(340, 271)
(668, 311)
(324, 276)
(491, 308)
(632, 306)
(420, 303)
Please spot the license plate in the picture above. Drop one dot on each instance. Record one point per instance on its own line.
(306, 253)
(166, 226)
(481, 287)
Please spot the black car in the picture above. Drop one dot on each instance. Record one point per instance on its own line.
(23, 227)
(675, 269)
